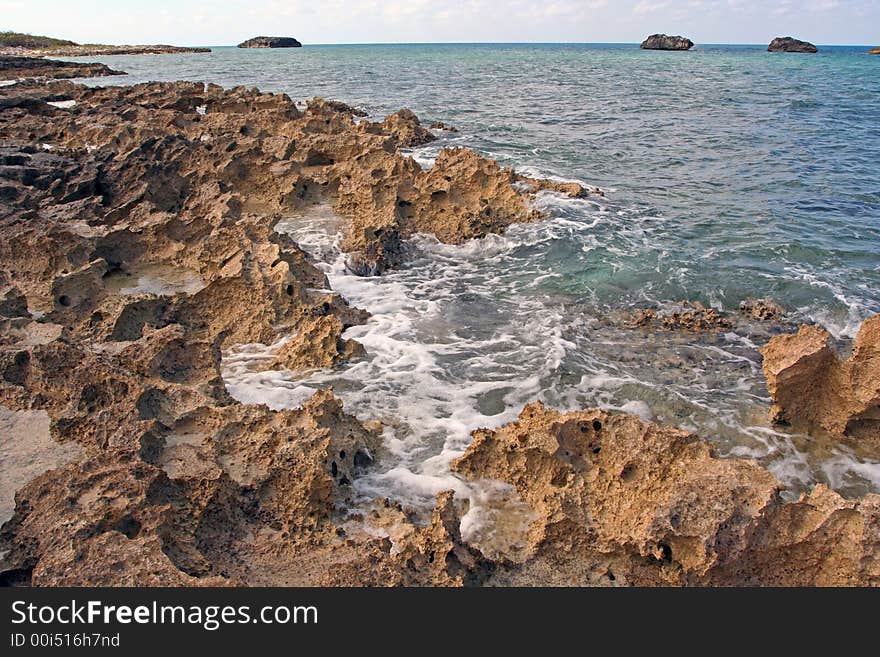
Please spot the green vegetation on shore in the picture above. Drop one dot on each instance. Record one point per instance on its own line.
(20, 40)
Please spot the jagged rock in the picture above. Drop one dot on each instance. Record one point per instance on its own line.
(696, 317)
(318, 344)
(762, 309)
(12, 68)
(405, 126)
(439, 552)
(463, 196)
(620, 500)
(270, 42)
(284, 158)
(874, 51)
(12, 302)
(789, 44)
(693, 316)
(186, 485)
(336, 106)
(570, 189)
(664, 42)
(815, 390)
(179, 484)
(439, 125)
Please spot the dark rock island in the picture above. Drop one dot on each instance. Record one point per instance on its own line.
(874, 51)
(270, 42)
(789, 44)
(664, 42)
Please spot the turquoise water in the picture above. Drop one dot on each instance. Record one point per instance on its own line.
(729, 172)
(757, 170)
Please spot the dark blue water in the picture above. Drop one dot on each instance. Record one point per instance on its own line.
(729, 172)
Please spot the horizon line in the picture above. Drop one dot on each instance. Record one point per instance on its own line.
(510, 43)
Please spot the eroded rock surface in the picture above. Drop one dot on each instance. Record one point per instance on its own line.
(764, 310)
(14, 68)
(694, 317)
(689, 316)
(175, 483)
(816, 390)
(621, 501)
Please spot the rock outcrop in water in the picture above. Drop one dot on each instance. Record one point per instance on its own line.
(695, 317)
(270, 42)
(664, 42)
(789, 44)
(764, 310)
(14, 68)
(813, 389)
(874, 51)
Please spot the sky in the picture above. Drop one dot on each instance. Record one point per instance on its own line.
(227, 22)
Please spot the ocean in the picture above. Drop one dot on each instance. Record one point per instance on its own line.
(728, 172)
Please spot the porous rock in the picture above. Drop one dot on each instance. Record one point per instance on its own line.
(619, 500)
(814, 389)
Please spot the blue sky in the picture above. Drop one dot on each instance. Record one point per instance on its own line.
(221, 22)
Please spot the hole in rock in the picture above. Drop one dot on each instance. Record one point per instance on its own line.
(362, 459)
(17, 577)
(127, 525)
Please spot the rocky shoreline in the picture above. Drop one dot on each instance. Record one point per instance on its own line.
(100, 50)
(17, 68)
(166, 480)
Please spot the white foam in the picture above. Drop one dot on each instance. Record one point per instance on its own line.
(637, 407)
(536, 172)
(62, 104)
(497, 521)
(845, 470)
(462, 336)
(839, 326)
(428, 376)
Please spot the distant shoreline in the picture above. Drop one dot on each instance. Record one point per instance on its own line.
(534, 43)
